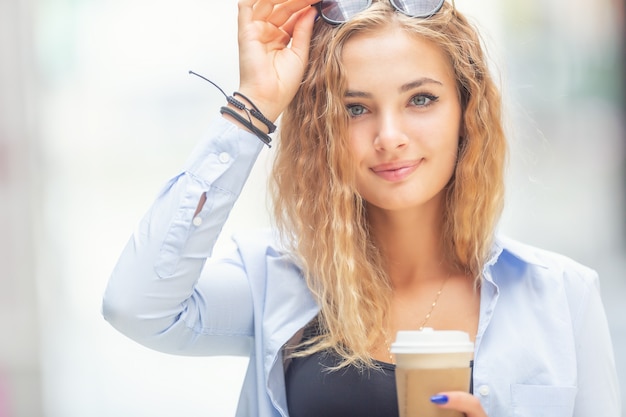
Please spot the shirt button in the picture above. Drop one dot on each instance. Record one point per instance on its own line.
(483, 390)
(197, 221)
(224, 157)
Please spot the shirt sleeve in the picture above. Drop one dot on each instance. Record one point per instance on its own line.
(598, 388)
(162, 292)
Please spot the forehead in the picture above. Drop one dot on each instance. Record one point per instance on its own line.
(393, 52)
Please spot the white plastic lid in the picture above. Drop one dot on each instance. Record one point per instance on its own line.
(428, 340)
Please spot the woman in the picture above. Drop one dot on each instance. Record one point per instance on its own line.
(387, 184)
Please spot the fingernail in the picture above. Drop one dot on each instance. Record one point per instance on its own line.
(439, 399)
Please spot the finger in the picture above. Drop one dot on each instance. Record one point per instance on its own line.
(244, 14)
(250, 10)
(284, 12)
(301, 34)
(297, 19)
(460, 401)
(263, 9)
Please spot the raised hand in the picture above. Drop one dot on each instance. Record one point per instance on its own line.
(274, 37)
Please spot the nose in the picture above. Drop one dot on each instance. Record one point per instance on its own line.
(391, 133)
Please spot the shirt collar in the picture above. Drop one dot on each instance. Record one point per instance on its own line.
(522, 252)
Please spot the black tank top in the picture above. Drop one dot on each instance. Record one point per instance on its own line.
(314, 391)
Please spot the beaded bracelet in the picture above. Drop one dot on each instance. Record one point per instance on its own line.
(254, 112)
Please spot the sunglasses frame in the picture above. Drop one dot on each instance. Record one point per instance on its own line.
(326, 19)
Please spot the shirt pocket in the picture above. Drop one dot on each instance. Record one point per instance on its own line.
(542, 400)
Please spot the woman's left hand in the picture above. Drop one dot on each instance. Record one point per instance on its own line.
(460, 401)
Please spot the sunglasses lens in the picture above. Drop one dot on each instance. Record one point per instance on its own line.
(418, 8)
(340, 11)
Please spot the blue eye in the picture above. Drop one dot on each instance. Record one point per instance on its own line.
(355, 110)
(423, 100)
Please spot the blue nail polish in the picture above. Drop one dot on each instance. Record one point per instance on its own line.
(439, 399)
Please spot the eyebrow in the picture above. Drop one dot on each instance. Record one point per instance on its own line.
(403, 88)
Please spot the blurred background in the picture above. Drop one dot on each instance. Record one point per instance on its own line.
(97, 111)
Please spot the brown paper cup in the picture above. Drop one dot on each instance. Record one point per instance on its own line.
(416, 386)
(427, 363)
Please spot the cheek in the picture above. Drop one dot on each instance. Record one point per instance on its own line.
(357, 142)
(453, 160)
(452, 148)
(445, 151)
(440, 139)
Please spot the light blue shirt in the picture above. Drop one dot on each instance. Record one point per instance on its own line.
(542, 348)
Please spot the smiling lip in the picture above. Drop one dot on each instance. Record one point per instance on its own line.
(396, 171)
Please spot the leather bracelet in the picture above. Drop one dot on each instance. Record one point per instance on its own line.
(254, 111)
(265, 138)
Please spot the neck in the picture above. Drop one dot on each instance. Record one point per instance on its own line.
(412, 245)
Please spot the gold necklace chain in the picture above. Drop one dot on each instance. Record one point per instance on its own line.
(421, 327)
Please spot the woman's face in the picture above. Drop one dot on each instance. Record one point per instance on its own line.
(405, 119)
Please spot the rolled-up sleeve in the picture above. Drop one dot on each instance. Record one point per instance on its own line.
(162, 292)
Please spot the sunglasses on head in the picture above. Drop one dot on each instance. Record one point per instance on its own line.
(336, 12)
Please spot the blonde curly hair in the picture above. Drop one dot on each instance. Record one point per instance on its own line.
(318, 210)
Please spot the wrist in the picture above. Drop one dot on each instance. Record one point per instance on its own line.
(253, 111)
(250, 119)
(244, 114)
(270, 109)
(243, 119)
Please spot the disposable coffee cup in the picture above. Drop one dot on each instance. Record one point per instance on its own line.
(429, 362)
